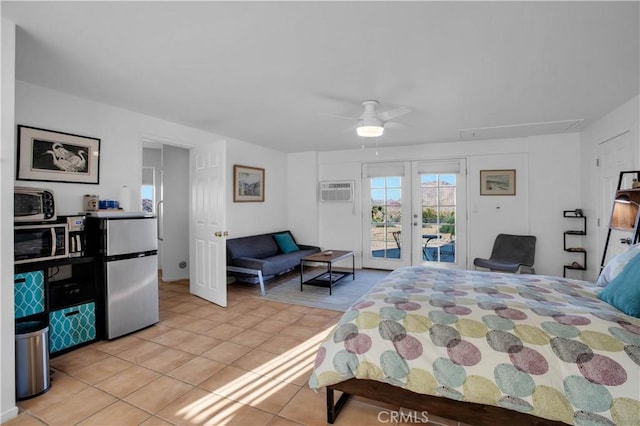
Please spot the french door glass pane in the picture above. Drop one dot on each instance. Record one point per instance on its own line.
(438, 217)
(386, 207)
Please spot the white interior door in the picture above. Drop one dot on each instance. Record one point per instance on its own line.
(615, 155)
(207, 250)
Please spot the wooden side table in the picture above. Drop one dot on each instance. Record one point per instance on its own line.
(328, 278)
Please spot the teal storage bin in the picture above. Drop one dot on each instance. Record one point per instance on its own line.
(28, 294)
(72, 326)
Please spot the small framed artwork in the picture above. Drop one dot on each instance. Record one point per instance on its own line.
(498, 182)
(51, 156)
(248, 184)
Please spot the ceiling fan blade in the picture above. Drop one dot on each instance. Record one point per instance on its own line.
(342, 117)
(393, 113)
(345, 100)
(395, 125)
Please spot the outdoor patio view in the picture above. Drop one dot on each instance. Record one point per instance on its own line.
(438, 229)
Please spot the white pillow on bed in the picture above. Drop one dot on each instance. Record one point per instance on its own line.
(616, 265)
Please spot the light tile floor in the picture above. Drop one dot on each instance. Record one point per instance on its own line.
(247, 364)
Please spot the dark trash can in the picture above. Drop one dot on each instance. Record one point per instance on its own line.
(32, 359)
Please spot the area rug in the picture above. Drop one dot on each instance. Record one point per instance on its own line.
(344, 293)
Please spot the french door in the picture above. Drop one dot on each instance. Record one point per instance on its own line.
(417, 214)
(386, 192)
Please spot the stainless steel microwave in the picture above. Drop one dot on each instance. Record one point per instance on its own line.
(33, 204)
(33, 243)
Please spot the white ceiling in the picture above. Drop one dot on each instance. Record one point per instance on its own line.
(270, 73)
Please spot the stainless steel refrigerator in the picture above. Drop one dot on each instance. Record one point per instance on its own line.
(128, 252)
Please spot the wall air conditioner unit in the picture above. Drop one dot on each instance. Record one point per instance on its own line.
(336, 192)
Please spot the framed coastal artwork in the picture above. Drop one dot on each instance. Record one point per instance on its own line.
(248, 184)
(498, 182)
(47, 155)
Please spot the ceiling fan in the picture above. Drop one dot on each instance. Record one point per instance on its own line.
(371, 124)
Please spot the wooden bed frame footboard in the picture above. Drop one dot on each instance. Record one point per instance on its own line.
(467, 412)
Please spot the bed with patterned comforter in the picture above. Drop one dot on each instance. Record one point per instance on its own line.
(541, 345)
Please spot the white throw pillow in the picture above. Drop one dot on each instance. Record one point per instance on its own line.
(616, 265)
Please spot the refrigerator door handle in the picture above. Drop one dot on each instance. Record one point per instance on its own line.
(159, 221)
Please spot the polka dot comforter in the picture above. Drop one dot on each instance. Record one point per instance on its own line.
(536, 344)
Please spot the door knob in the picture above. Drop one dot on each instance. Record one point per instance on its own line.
(220, 234)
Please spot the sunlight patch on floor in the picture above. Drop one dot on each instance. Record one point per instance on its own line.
(255, 387)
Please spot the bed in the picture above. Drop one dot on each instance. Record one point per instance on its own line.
(486, 348)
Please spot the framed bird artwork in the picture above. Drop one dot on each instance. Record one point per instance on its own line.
(47, 155)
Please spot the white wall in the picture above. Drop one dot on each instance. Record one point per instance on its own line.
(257, 217)
(554, 186)
(547, 178)
(121, 133)
(175, 223)
(302, 197)
(622, 119)
(492, 215)
(8, 407)
(340, 224)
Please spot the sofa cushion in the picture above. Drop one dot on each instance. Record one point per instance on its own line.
(285, 242)
(287, 261)
(271, 266)
(277, 264)
(264, 265)
(258, 246)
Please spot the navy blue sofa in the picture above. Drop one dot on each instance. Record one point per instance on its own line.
(258, 258)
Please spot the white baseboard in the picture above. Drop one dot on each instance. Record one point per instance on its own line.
(169, 279)
(5, 416)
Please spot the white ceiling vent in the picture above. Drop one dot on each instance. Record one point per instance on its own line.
(336, 192)
(520, 130)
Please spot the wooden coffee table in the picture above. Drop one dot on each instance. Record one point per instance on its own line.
(328, 278)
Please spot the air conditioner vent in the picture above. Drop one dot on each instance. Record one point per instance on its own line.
(336, 192)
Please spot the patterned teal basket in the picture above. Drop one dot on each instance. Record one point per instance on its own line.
(71, 326)
(28, 293)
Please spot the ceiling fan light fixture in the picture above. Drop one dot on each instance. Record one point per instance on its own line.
(369, 130)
